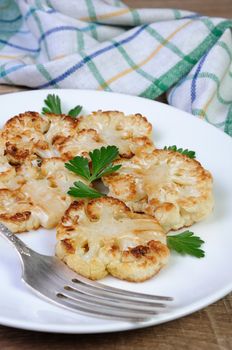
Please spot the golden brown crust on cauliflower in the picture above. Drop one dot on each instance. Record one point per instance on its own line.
(131, 133)
(175, 189)
(85, 141)
(54, 135)
(49, 203)
(43, 186)
(16, 211)
(29, 134)
(60, 125)
(58, 176)
(103, 236)
(26, 122)
(24, 135)
(16, 153)
(47, 187)
(7, 174)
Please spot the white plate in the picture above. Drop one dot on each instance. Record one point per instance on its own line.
(194, 283)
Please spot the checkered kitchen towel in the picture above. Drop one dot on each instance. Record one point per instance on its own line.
(104, 45)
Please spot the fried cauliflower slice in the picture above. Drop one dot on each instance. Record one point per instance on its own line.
(25, 124)
(29, 134)
(84, 141)
(16, 211)
(48, 191)
(35, 204)
(2, 144)
(130, 133)
(43, 185)
(52, 135)
(103, 236)
(7, 174)
(39, 197)
(30, 169)
(12, 177)
(49, 203)
(60, 125)
(170, 186)
(23, 135)
(59, 177)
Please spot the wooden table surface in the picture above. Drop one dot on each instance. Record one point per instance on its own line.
(210, 328)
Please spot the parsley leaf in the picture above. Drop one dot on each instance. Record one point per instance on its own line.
(108, 170)
(53, 105)
(79, 166)
(83, 191)
(186, 152)
(101, 165)
(102, 161)
(186, 243)
(75, 111)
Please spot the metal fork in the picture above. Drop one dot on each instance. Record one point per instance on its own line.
(52, 279)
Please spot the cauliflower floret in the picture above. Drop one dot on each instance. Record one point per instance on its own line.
(25, 124)
(43, 185)
(131, 133)
(30, 169)
(41, 198)
(12, 177)
(29, 133)
(2, 144)
(16, 211)
(175, 189)
(85, 141)
(23, 135)
(7, 174)
(103, 236)
(60, 135)
(59, 177)
(48, 190)
(60, 125)
(49, 203)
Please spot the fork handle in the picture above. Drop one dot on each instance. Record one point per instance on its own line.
(21, 247)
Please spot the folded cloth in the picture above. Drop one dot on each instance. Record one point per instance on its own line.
(105, 45)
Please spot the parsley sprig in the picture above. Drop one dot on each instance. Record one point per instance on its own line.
(101, 165)
(53, 105)
(186, 152)
(186, 243)
(81, 190)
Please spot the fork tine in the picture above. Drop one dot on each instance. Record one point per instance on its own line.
(118, 291)
(113, 302)
(90, 305)
(89, 308)
(101, 294)
(95, 311)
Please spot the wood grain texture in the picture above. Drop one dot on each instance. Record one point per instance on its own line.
(222, 8)
(4, 89)
(208, 329)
